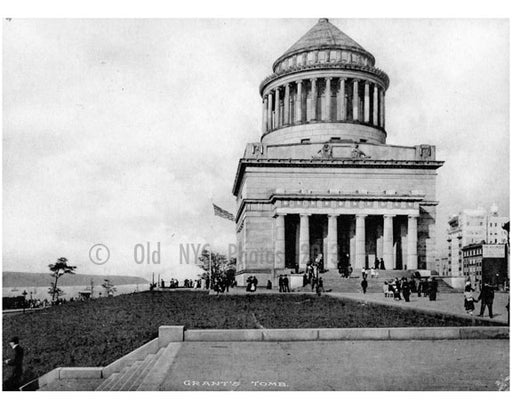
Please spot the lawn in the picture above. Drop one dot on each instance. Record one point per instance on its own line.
(99, 331)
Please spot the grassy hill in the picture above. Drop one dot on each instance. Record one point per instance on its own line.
(18, 279)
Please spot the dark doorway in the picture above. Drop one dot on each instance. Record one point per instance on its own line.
(291, 228)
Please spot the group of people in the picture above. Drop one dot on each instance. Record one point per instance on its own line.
(284, 284)
(345, 272)
(312, 276)
(398, 288)
(486, 297)
(173, 283)
(222, 283)
(252, 284)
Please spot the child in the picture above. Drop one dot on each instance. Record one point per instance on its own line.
(385, 289)
(469, 300)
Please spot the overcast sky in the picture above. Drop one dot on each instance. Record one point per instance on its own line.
(121, 131)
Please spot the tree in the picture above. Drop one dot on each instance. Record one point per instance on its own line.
(220, 264)
(58, 269)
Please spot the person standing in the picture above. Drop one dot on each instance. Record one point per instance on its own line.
(420, 287)
(14, 381)
(469, 300)
(286, 287)
(350, 270)
(412, 285)
(281, 287)
(382, 266)
(406, 291)
(432, 289)
(486, 297)
(426, 287)
(364, 285)
(319, 286)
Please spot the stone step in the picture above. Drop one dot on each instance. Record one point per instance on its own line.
(136, 372)
(145, 369)
(133, 373)
(107, 383)
(336, 283)
(156, 375)
(118, 384)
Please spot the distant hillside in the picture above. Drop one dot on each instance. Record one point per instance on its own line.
(15, 279)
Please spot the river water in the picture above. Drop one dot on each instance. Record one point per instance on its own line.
(70, 291)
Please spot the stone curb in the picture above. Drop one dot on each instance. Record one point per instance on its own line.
(342, 334)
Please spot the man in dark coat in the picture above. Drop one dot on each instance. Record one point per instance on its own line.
(364, 285)
(486, 297)
(406, 291)
(420, 287)
(14, 381)
(286, 284)
(432, 289)
(281, 288)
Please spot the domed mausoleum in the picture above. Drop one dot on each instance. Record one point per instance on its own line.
(322, 179)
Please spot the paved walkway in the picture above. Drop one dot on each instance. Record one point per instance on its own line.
(445, 303)
(339, 366)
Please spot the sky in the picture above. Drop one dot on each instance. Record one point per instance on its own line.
(123, 132)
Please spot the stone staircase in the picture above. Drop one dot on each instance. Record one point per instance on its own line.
(334, 282)
(142, 375)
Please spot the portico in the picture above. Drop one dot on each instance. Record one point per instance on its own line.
(377, 234)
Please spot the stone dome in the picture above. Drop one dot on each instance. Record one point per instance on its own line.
(325, 87)
(325, 36)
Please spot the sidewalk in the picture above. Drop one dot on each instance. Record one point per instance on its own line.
(452, 304)
(456, 365)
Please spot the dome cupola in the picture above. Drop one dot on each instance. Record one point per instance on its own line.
(324, 87)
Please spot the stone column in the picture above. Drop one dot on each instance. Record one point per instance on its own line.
(403, 243)
(412, 242)
(375, 105)
(380, 241)
(342, 110)
(286, 119)
(388, 242)
(277, 110)
(304, 240)
(355, 101)
(332, 242)
(279, 243)
(299, 102)
(265, 110)
(381, 108)
(328, 98)
(269, 113)
(352, 241)
(366, 101)
(360, 241)
(314, 99)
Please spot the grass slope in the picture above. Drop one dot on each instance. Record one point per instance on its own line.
(99, 331)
